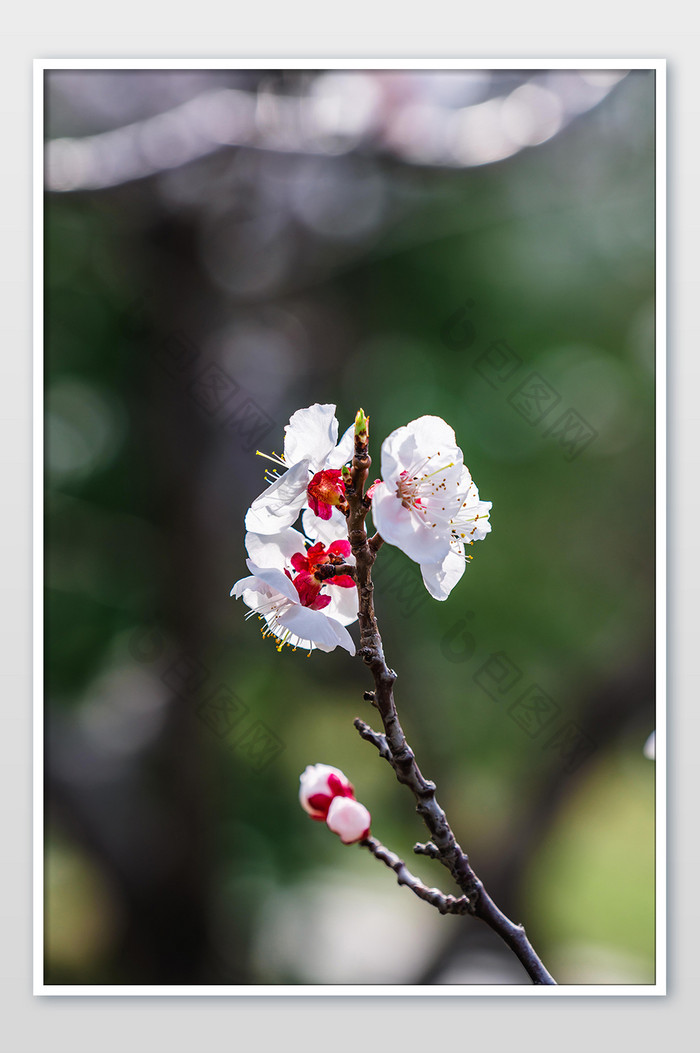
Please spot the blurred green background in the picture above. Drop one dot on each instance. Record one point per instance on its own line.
(222, 248)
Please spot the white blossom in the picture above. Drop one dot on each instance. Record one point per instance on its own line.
(307, 614)
(471, 523)
(418, 496)
(310, 446)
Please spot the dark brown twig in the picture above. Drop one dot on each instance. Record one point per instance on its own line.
(427, 849)
(445, 904)
(369, 735)
(393, 744)
(334, 570)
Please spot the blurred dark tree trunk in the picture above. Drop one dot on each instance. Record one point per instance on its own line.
(603, 716)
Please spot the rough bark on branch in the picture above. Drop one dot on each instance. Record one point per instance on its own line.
(393, 744)
(445, 904)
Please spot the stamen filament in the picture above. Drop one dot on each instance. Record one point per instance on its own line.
(275, 457)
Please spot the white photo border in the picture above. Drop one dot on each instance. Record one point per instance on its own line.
(658, 988)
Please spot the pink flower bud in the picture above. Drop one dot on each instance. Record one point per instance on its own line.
(319, 785)
(349, 819)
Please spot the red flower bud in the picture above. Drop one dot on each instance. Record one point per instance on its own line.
(319, 785)
(326, 491)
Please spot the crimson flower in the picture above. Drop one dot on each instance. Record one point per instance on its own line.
(326, 491)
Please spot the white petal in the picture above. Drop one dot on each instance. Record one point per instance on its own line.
(275, 550)
(317, 627)
(406, 529)
(279, 505)
(472, 521)
(257, 594)
(325, 530)
(277, 579)
(343, 637)
(243, 585)
(441, 578)
(343, 605)
(343, 451)
(311, 434)
(432, 436)
(398, 453)
(479, 529)
(467, 487)
(410, 445)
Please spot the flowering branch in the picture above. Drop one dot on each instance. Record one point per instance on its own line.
(308, 587)
(394, 746)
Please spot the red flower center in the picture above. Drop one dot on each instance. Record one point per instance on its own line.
(327, 491)
(306, 564)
